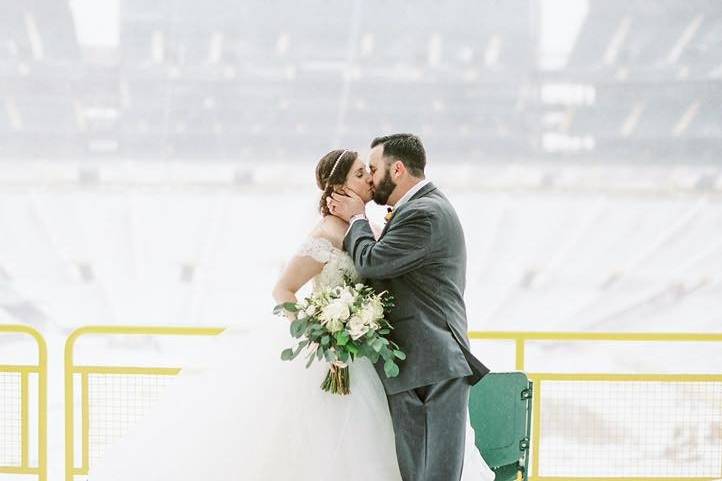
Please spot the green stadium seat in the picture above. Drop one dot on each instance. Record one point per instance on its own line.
(500, 414)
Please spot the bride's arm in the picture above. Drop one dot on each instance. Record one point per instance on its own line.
(299, 270)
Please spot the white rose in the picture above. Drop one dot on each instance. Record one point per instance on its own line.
(366, 315)
(357, 328)
(336, 311)
(334, 325)
(377, 309)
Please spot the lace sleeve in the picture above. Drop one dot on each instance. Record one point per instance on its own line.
(318, 248)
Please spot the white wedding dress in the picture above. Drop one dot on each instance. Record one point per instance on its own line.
(248, 416)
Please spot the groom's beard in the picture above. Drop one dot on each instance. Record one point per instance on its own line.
(383, 191)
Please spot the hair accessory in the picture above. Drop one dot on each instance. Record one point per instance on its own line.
(333, 169)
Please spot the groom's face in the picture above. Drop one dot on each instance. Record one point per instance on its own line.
(383, 184)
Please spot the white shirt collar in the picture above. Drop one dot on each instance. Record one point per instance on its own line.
(411, 193)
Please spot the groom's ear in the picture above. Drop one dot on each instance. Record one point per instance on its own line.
(398, 168)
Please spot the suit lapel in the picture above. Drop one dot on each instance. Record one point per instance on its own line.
(425, 190)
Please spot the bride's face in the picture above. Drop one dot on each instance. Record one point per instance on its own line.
(359, 180)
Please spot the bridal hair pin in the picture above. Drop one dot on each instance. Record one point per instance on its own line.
(333, 169)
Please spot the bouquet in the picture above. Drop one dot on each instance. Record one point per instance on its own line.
(339, 324)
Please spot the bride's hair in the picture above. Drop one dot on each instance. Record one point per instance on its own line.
(331, 171)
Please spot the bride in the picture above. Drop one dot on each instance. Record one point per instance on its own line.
(250, 416)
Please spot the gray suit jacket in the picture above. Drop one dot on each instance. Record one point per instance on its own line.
(421, 259)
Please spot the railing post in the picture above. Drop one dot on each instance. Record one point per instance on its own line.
(42, 369)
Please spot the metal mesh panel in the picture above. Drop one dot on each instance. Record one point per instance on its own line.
(10, 410)
(116, 403)
(631, 428)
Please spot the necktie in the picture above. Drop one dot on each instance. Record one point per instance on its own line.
(389, 213)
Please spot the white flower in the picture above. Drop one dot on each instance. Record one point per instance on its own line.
(366, 314)
(357, 327)
(371, 313)
(359, 286)
(310, 310)
(301, 314)
(377, 309)
(334, 325)
(347, 297)
(335, 311)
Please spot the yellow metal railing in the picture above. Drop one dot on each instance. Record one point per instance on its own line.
(96, 381)
(590, 426)
(17, 378)
(610, 426)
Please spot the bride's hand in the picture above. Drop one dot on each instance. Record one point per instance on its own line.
(345, 205)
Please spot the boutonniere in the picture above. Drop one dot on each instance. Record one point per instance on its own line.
(389, 213)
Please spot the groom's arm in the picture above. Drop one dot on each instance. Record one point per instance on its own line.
(403, 248)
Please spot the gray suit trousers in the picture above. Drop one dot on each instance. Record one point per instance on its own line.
(430, 427)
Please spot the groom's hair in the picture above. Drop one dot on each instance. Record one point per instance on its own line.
(404, 147)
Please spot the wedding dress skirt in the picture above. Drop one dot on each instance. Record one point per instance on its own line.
(248, 416)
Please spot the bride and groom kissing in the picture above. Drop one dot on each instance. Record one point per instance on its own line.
(254, 417)
(420, 257)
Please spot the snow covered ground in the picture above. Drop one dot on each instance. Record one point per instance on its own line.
(549, 249)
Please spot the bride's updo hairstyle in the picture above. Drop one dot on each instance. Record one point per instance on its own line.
(331, 171)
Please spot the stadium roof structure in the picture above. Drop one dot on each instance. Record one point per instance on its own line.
(282, 81)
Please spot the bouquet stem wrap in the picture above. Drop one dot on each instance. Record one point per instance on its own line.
(337, 380)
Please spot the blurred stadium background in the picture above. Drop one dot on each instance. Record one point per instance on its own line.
(156, 158)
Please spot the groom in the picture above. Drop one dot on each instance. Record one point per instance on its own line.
(421, 259)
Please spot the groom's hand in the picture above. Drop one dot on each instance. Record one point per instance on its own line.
(345, 205)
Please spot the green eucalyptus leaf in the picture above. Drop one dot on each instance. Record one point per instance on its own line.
(297, 352)
(391, 369)
(330, 356)
(286, 306)
(298, 327)
(342, 338)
